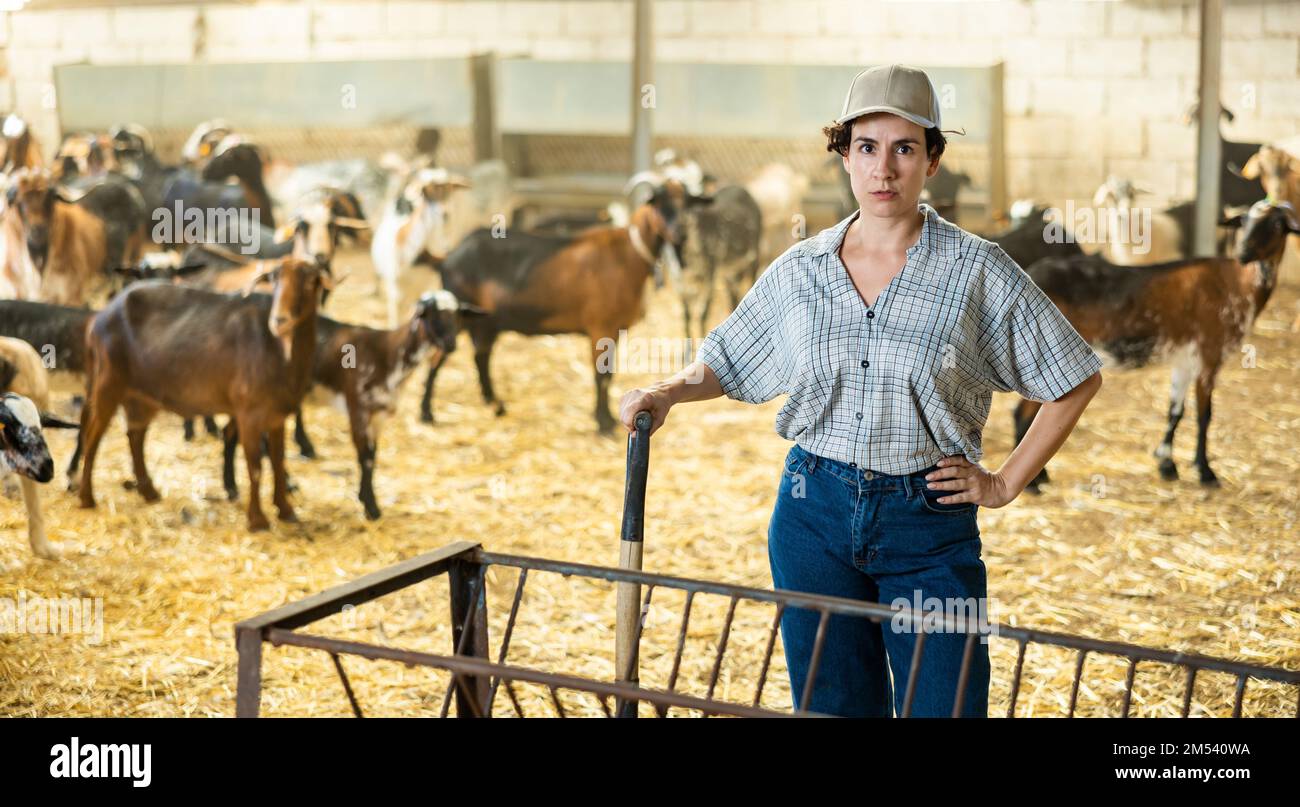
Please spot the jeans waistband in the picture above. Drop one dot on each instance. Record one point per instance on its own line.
(864, 477)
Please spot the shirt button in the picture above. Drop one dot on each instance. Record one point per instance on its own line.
(866, 363)
(858, 416)
(871, 314)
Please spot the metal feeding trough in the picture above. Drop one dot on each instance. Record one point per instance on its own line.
(476, 680)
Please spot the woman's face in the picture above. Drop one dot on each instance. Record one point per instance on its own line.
(887, 164)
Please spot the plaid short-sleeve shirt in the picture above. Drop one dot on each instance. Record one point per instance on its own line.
(898, 386)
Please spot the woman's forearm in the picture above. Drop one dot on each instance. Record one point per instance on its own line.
(1046, 435)
(695, 382)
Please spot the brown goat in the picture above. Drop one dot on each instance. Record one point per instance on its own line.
(1196, 310)
(592, 284)
(67, 244)
(195, 352)
(367, 367)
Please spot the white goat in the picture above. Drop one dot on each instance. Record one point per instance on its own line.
(1131, 241)
(779, 190)
(414, 222)
(22, 445)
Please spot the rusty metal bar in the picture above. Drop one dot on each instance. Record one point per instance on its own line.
(470, 626)
(913, 674)
(767, 656)
(363, 589)
(814, 661)
(1128, 685)
(248, 692)
(509, 631)
(347, 685)
(681, 642)
(1015, 679)
(469, 635)
(722, 647)
(840, 605)
(514, 699)
(1078, 674)
(471, 665)
(1187, 692)
(968, 653)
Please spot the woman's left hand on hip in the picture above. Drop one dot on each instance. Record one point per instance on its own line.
(967, 481)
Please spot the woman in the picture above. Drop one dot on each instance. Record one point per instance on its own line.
(889, 332)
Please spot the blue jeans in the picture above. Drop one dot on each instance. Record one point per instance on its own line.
(848, 532)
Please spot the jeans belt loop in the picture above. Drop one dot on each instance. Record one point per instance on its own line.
(908, 482)
(812, 462)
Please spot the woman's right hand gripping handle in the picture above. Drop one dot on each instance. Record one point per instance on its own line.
(695, 383)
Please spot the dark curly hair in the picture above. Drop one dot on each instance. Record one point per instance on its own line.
(838, 136)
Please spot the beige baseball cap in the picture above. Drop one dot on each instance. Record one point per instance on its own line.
(904, 91)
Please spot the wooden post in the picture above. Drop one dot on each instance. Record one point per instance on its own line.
(628, 601)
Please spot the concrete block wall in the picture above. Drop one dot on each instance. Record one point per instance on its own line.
(1091, 87)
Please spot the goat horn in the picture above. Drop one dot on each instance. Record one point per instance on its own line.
(258, 278)
(356, 224)
(652, 177)
(49, 421)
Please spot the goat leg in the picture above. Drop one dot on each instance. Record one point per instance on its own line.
(1182, 378)
(137, 419)
(101, 404)
(604, 420)
(426, 402)
(483, 340)
(188, 426)
(305, 448)
(230, 437)
(275, 439)
(363, 441)
(1204, 393)
(41, 547)
(75, 460)
(210, 425)
(251, 437)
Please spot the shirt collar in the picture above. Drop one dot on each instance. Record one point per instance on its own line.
(829, 241)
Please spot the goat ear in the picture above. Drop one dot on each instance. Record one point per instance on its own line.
(471, 310)
(49, 421)
(1099, 198)
(286, 231)
(1231, 221)
(68, 195)
(8, 370)
(1251, 169)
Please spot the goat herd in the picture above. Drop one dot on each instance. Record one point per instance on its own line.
(220, 314)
